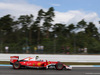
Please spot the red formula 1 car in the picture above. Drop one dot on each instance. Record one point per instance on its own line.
(33, 62)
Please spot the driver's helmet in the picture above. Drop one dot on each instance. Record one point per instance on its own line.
(37, 57)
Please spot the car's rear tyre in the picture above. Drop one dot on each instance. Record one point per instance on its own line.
(16, 65)
(59, 66)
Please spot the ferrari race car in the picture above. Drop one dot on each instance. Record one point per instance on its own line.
(33, 62)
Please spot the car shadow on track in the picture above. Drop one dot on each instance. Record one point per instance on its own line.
(37, 69)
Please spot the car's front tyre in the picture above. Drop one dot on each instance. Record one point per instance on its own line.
(59, 66)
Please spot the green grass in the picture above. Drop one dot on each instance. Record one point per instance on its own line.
(4, 62)
(67, 63)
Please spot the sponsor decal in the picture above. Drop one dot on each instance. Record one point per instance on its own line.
(14, 58)
(39, 64)
(28, 63)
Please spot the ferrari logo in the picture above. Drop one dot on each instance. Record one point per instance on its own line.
(48, 62)
(29, 59)
(33, 64)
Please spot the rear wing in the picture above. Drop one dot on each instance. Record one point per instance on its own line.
(13, 59)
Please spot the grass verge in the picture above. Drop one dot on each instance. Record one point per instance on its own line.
(4, 62)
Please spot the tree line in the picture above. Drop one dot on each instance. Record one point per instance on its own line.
(26, 30)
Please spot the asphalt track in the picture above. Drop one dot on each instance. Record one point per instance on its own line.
(76, 71)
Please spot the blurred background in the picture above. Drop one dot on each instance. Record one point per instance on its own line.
(40, 35)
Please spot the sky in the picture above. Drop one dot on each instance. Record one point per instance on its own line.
(66, 11)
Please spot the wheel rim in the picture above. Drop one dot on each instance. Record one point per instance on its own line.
(16, 65)
(59, 66)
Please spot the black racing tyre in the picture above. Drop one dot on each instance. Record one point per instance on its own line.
(16, 65)
(59, 66)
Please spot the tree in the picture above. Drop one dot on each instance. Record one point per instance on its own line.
(6, 23)
(6, 28)
(82, 24)
(48, 18)
(71, 27)
(34, 32)
(91, 30)
(25, 21)
(59, 28)
(38, 22)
